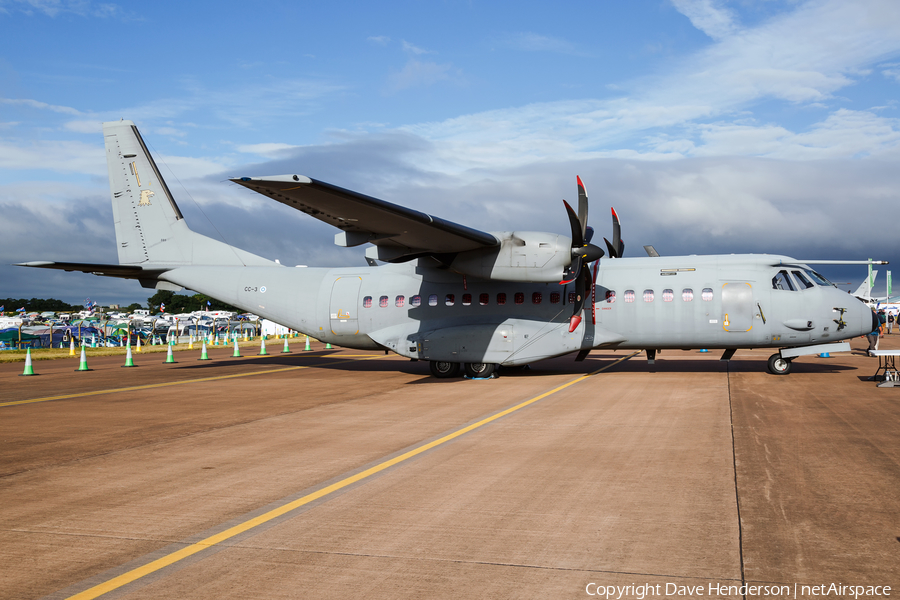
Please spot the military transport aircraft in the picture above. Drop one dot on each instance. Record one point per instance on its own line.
(468, 299)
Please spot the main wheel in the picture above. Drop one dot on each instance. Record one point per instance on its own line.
(778, 365)
(479, 370)
(443, 369)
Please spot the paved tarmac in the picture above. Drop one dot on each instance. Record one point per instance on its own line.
(352, 474)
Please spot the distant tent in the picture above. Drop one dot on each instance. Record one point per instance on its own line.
(10, 338)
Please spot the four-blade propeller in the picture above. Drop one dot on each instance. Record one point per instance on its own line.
(584, 252)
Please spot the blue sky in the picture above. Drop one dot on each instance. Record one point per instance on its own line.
(712, 126)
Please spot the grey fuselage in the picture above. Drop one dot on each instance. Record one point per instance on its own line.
(726, 301)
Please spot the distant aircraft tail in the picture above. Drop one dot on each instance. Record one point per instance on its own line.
(865, 288)
(150, 229)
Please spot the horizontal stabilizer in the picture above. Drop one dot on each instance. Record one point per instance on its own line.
(123, 271)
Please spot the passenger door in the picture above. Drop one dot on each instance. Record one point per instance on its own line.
(344, 307)
(738, 308)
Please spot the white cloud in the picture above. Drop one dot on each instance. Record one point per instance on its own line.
(59, 156)
(381, 40)
(67, 110)
(417, 73)
(707, 16)
(407, 47)
(84, 126)
(804, 56)
(891, 71)
(52, 8)
(266, 149)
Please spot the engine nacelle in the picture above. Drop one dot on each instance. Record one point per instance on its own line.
(522, 256)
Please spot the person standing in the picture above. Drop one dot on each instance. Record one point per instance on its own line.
(876, 334)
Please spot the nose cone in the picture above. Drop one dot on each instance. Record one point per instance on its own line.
(860, 319)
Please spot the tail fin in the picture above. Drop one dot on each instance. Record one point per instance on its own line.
(865, 289)
(150, 229)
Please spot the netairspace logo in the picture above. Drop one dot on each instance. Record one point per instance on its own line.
(670, 590)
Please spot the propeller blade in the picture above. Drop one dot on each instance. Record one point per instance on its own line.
(575, 320)
(573, 271)
(582, 207)
(617, 233)
(588, 234)
(621, 247)
(609, 247)
(575, 224)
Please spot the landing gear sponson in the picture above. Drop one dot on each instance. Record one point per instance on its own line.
(780, 362)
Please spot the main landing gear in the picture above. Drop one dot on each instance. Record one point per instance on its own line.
(445, 370)
(778, 365)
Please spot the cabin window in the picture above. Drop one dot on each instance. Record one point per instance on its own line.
(399, 301)
(572, 296)
(520, 298)
(432, 300)
(449, 299)
(687, 295)
(802, 279)
(467, 299)
(536, 298)
(782, 281)
(610, 297)
(668, 295)
(501, 299)
(648, 295)
(367, 302)
(707, 294)
(554, 297)
(415, 301)
(383, 301)
(484, 299)
(628, 296)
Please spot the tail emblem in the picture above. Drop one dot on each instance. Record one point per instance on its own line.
(145, 197)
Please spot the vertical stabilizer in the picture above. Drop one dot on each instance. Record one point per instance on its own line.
(150, 229)
(864, 290)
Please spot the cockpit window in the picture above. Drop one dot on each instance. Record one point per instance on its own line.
(804, 281)
(818, 278)
(782, 281)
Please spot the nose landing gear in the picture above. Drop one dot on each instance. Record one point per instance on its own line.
(778, 365)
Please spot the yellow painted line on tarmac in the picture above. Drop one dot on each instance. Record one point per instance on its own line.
(165, 561)
(151, 386)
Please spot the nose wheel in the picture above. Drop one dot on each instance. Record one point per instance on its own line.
(778, 365)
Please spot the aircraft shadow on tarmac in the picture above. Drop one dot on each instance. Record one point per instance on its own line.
(564, 365)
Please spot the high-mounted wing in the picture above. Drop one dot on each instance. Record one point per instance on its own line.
(399, 233)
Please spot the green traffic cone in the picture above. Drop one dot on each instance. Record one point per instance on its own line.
(308, 348)
(169, 357)
(286, 349)
(203, 355)
(262, 347)
(93, 340)
(129, 361)
(29, 370)
(237, 348)
(328, 346)
(82, 366)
